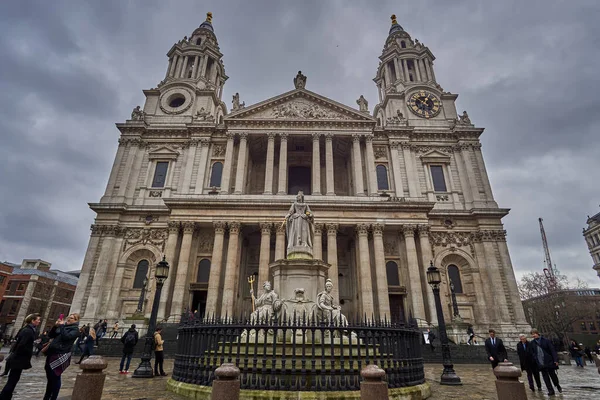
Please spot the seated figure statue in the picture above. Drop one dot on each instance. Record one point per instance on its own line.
(327, 311)
(267, 305)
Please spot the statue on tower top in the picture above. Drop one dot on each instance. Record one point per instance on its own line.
(300, 81)
(393, 17)
(209, 17)
(363, 104)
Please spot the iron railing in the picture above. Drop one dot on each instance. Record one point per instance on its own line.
(297, 353)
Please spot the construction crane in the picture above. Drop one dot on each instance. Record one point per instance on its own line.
(549, 271)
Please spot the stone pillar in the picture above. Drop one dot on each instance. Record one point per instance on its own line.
(511, 280)
(269, 164)
(241, 164)
(231, 268)
(427, 69)
(133, 149)
(364, 270)
(497, 288)
(329, 164)
(413, 180)
(462, 176)
(90, 383)
(265, 253)
(188, 166)
(85, 276)
(405, 67)
(115, 169)
(204, 144)
(371, 171)
(484, 176)
(358, 169)
(394, 147)
(282, 184)
(466, 157)
(226, 386)
(180, 286)
(216, 263)
(225, 184)
(418, 306)
(318, 242)
(204, 63)
(398, 69)
(280, 242)
(417, 69)
(172, 63)
(170, 249)
(508, 385)
(432, 71)
(332, 260)
(316, 165)
(381, 274)
(106, 251)
(195, 67)
(426, 258)
(373, 387)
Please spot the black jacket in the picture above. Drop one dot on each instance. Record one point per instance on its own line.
(128, 347)
(23, 348)
(550, 358)
(62, 337)
(498, 351)
(526, 356)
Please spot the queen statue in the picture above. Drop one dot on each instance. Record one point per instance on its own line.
(299, 227)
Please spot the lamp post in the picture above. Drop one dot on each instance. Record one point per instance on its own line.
(449, 377)
(144, 370)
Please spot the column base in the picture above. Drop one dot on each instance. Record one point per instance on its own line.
(330, 194)
(269, 193)
(282, 193)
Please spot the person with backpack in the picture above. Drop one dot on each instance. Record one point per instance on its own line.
(88, 346)
(158, 352)
(129, 340)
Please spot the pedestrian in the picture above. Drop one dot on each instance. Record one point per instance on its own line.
(471, 334)
(528, 363)
(158, 352)
(88, 346)
(115, 330)
(547, 361)
(103, 328)
(97, 327)
(129, 340)
(588, 353)
(58, 354)
(495, 349)
(22, 353)
(42, 342)
(80, 342)
(430, 338)
(576, 353)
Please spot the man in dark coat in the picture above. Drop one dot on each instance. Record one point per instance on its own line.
(495, 349)
(528, 363)
(23, 351)
(129, 340)
(546, 359)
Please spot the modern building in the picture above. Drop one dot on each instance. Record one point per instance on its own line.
(592, 238)
(33, 288)
(391, 190)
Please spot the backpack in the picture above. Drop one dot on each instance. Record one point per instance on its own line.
(129, 339)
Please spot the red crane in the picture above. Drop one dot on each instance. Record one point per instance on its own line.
(550, 269)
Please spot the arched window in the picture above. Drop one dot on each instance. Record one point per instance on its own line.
(403, 44)
(382, 178)
(391, 268)
(215, 176)
(454, 276)
(203, 271)
(378, 121)
(140, 273)
(220, 120)
(199, 41)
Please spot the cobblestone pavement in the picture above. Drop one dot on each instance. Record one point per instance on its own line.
(478, 383)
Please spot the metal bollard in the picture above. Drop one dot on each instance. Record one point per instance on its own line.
(373, 387)
(227, 384)
(90, 383)
(508, 386)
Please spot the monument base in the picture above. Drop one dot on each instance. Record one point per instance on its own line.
(300, 273)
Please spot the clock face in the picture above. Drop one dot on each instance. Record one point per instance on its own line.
(424, 104)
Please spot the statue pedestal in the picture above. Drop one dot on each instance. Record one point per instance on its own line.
(291, 274)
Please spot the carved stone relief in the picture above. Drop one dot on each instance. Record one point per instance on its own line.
(205, 243)
(156, 237)
(298, 109)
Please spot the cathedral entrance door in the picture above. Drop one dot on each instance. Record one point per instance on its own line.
(397, 308)
(199, 301)
(299, 178)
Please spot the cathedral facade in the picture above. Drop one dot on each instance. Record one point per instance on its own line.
(391, 189)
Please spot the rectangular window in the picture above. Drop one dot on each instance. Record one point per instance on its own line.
(160, 174)
(21, 286)
(2, 277)
(437, 175)
(392, 71)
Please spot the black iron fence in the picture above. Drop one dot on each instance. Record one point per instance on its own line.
(298, 354)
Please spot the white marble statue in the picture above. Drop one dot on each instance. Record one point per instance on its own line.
(299, 226)
(328, 311)
(267, 305)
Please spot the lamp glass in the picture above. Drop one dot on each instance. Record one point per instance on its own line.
(434, 277)
(162, 270)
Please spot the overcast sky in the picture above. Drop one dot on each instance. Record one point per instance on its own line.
(525, 71)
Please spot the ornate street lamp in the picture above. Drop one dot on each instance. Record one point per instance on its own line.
(449, 377)
(144, 370)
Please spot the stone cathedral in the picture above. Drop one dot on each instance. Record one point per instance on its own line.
(391, 189)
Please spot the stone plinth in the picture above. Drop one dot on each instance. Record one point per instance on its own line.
(308, 274)
(90, 384)
(508, 385)
(457, 331)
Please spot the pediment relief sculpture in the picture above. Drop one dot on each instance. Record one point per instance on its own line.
(302, 110)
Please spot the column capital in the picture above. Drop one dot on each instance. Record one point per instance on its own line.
(356, 138)
(284, 136)
(316, 136)
(406, 145)
(265, 228)
(205, 142)
(377, 229)
(332, 229)
(408, 230)
(423, 230)
(234, 227)
(271, 136)
(319, 228)
(243, 135)
(219, 226)
(477, 146)
(328, 137)
(230, 135)
(280, 228)
(194, 142)
(394, 145)
(173, 226)
(188, 227)
(362, 229)
(369, 138)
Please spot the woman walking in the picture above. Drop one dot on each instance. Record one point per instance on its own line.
(58, 359)
(88, 343)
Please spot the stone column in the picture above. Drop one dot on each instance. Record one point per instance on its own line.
(417, 69)
(426, 258)
(85, 276)
(180, 286)
(418, 305)
(115, 169)
(511, 280)
(484, 176)
(405, 67)
(280, 242)
(496, 282)
(188, 167)
(329, 164)
(466, 158)
(371, 170)
(265, 253)
(318, 242)
(364, 270)
(398, 69)
(204, 63)
(172, 63)
(358, 169)
(395, 155)
(231, 268)
(427, 69)
(316, 165)
(413, 179)
(204, 145)
(216, 263)
(183, 67)
(195, 67)
(241, 164)
(332, 259)
(282, 184)
(462, 176)
(131, 154)
(269, 164)
(170, 249)
(432, 71)
(381, 274)
(225, 184)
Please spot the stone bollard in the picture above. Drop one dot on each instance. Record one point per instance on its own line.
(564, 358)
(90, 383)
(373, 387)
(508, 386)
(227, 384)
(597, 361)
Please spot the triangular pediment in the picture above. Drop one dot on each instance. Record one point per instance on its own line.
(435, 156)
(299, 105)
(163, 152)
